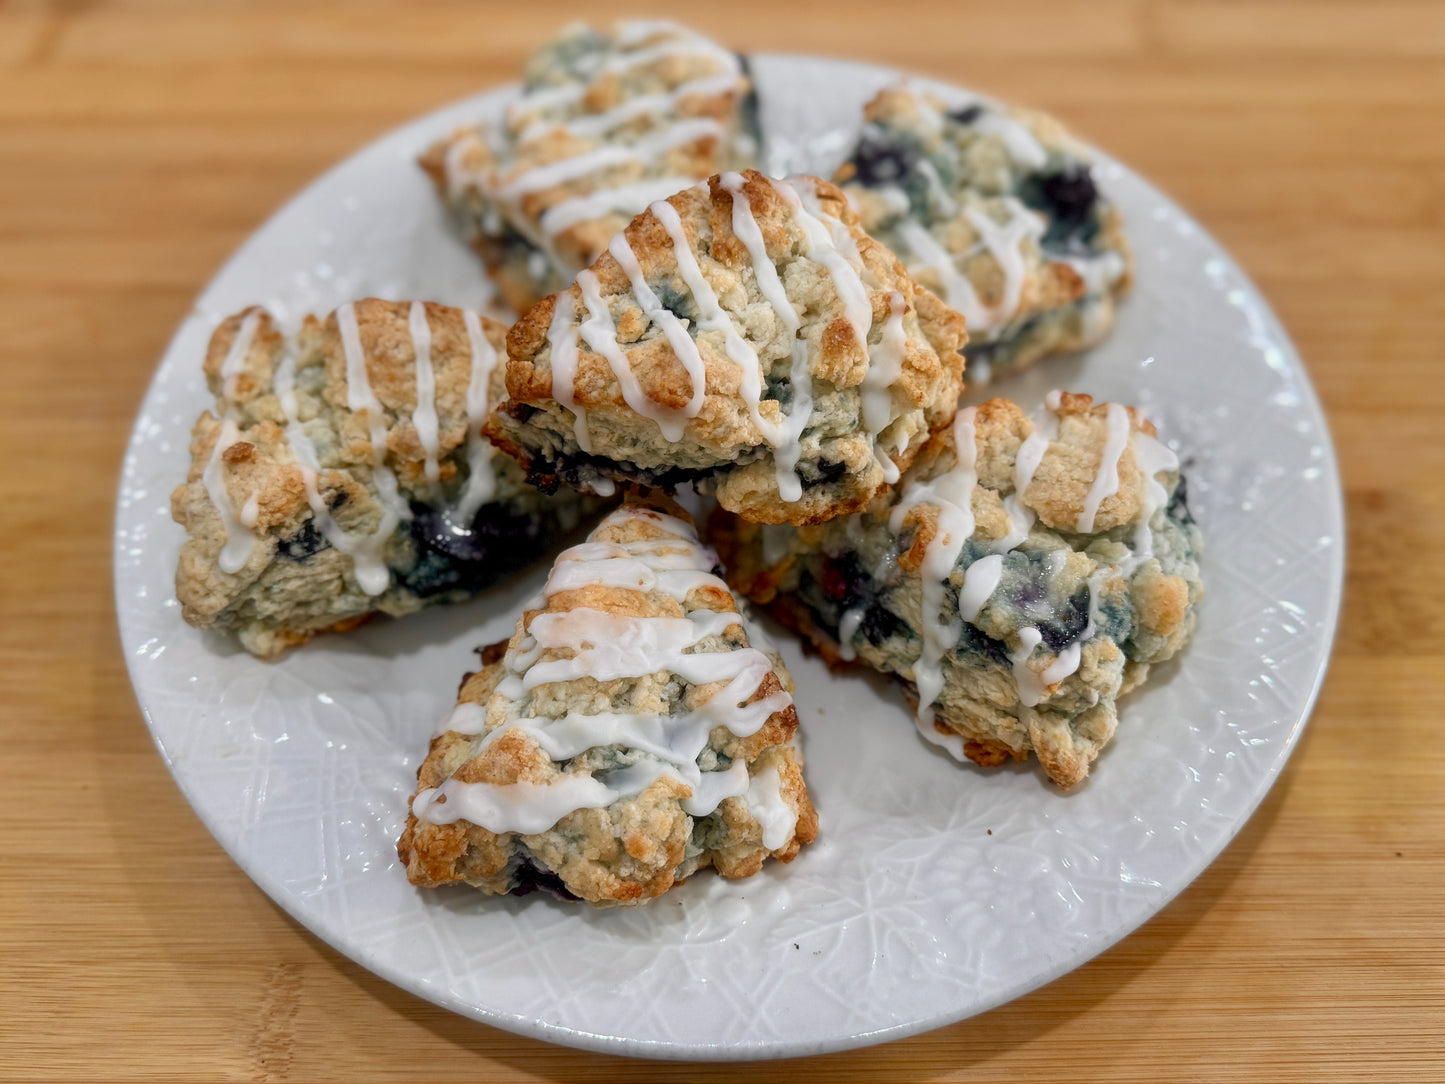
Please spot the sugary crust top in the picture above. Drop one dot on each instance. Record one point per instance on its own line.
(723, 433)
(260, 467)
(918, 166)
(600, 113)
(633, 850)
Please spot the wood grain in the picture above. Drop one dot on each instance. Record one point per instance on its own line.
(141, 143)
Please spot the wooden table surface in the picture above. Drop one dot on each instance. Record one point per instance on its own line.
(140, 144)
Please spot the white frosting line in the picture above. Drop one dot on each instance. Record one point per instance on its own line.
(1023, 147)
(1106, 477)
(628, 199)
(1005, 243)
(951, 495)
(789, 450)
(958, 290)
(235, 360)
(562, 334)
(676, 332)
(713, 318)
(237, 540)
(583, 642)
(424, 417)
(481, 478)
(595, 125)
(769, 808)
(848, 626)
(600, 334)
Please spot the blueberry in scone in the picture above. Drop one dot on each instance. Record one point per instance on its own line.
(996, 210)
(605, 124)
(1023, 576)
(344, 473)
(633, 731)
(745, 335)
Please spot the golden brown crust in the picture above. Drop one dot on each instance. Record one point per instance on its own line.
(294, 581)
(722, 442)
(1102, 605)
(507, 180)
(639, 845)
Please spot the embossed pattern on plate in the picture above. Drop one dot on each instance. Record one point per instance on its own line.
(907, 914)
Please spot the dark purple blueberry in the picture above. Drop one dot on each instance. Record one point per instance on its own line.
(467, 557)
(883, 161)
(530, 877)
(1178, 507)
(306, 542)
(1070, 625)
(966, 114)
(822, 473)
(880, 623)
(1070, 195)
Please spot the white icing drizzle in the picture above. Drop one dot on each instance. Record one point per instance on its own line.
(1023, 147)
(611, 646)
(951, 494)
(1106, 477)
(823, 247)
(237, 539)
(943, 203)
(424, 417)
(1031, 687)
(1152, 457)
(676, 332)
(481, 478)
(235, 360)
(366, 551)
(958, 290)
(1026, 464)
(848, 628)
(304, 451)
(628, 199)
(562, 334)
(788, 451)
(609, 156)
(885, 366)
(596, 125)
(1005, 243)
(711, 317)
(980, 580)
(768, 807)
(458, 177)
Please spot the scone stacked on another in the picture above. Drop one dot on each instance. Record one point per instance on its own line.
(344, 473)
(746, 335)
(605, 124)
(631, 733)
(995, 209)
(1023, 576)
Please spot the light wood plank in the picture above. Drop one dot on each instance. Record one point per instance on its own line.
(141, 142)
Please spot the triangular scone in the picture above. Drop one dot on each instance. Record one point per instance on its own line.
(344, 473)
(629, 735)
(605, 124)
(1024, 575)
(995, 208)
(744, 334)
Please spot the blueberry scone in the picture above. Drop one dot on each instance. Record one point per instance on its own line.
(605, 124)
(1024, 576)
(632, 732)
(994, 209)
(344, 473)
(745, 335)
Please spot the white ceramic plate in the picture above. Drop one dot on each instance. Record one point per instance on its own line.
(936, 890)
